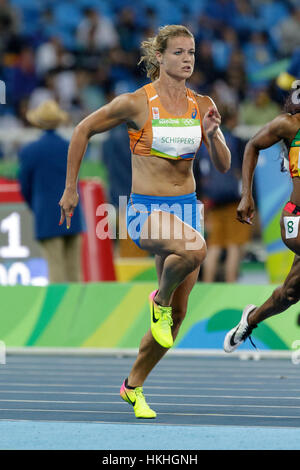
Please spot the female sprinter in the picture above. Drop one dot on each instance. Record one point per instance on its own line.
(166, 124)
(285, 127)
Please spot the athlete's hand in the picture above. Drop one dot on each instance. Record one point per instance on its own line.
(67, 204)
(211, 121)
(246, 210)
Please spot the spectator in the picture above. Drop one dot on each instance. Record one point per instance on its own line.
(258, 53)
(117, 159)
(221, 195)
(87, 96)
(245, 21)
(205, 60)
(272, 12)
(223, 47)
(224, 94)
(236, 75)
(66, 87)
(42, 178)
(198, 82)
(96, 32)
(289, 33)
(15, 120)
(151, 21)
(258, 108)
(122, 70)
(9, 19)
(52, 55)
(127, 30)
(46, 91)
(21, 78)
(219, 12)
(47, 23)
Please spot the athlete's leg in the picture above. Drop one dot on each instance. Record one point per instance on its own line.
(182, 248)
(150, 352)
(179, 251)
(282, 297)
(289, 293)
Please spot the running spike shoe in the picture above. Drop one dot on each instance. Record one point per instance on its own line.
(241, 332)
(161, 323)
(135, 397)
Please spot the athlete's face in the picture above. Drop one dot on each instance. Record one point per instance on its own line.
(179, 57)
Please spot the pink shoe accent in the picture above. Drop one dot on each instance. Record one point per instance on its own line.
(152, 295)
(122, 390)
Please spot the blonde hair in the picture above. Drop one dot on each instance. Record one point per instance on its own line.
(159, 44)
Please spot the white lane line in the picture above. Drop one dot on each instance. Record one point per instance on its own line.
(200, 405)
(60, 392)
(148, 386)
(159, 373)
(150, 422)
(226, 360)
(162, 366)
(161, 413)
(185, 396)
(230, 397)
(164, 376)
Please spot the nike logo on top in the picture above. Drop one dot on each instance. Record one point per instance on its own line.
(132, 402)
(153, 316)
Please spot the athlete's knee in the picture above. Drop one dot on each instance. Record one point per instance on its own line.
(194, 258)
(191, 260)
(200, 254)
(292, 295)
(285, 296)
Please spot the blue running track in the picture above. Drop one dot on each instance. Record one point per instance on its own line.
(224, 403)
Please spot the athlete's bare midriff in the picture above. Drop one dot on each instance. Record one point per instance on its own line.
(295, 195)
(156, 176)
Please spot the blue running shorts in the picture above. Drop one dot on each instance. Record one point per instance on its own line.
(140, 206)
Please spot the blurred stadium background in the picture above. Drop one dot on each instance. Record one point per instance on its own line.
(84, 52)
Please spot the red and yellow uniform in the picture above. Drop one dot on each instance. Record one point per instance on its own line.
(294, 156)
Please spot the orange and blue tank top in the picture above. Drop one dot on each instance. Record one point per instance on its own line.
(165, 135)
(294, 156)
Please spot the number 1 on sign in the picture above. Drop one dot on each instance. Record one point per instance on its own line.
(12, 226)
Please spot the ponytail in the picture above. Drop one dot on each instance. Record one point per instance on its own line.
(149, 60)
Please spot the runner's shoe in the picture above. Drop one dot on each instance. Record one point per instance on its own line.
(161, 322)
(241, 332)
(135, 397)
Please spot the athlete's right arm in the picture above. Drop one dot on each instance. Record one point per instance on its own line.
(122, 109)
(270, 134)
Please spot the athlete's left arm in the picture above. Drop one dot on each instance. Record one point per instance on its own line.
(212, 135)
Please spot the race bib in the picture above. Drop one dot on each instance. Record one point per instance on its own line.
(291, 225)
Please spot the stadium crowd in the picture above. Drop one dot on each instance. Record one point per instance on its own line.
(83, 52)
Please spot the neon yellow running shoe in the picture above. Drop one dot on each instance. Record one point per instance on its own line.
(135, 397)
(161, 322)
